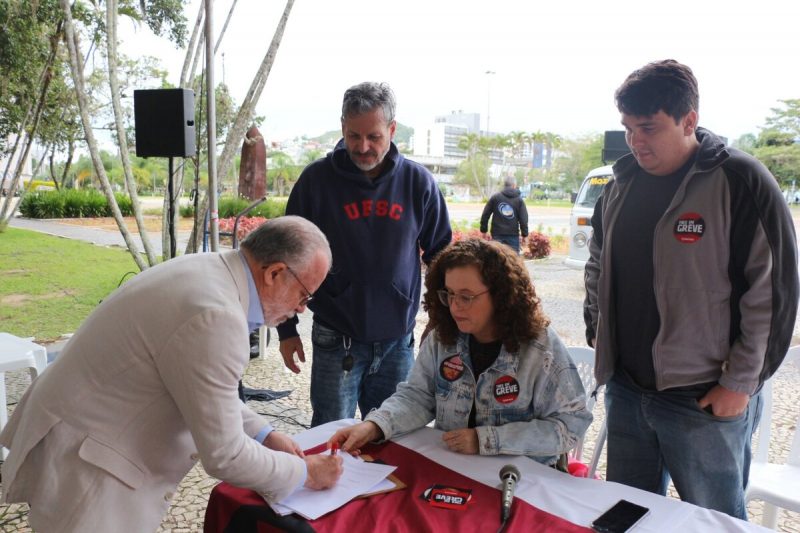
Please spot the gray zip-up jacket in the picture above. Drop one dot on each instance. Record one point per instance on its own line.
(724, 273)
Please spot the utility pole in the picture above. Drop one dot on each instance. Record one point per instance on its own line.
(211, 126)
(489, 74)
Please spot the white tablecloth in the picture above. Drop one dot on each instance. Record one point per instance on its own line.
(578, 500)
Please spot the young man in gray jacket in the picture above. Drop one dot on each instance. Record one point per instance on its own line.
(691, 296)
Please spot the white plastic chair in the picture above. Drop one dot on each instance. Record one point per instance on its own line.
(583, 357)
(777, 485)
(17, 353)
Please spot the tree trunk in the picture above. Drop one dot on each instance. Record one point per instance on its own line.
(187, 77)
(70, 154)
(245, 114)
(14, 148)
(21, 136)
(51, 166)
(113, 82)
(41, 162)
(225, 26)
(80, 92)
(187, 74)
(47, 76)
(190, 48)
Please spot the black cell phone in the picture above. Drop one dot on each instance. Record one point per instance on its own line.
(622, 516)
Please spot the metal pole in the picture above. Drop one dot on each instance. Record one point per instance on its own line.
(213, 207)
(171, 212)
(488, 110)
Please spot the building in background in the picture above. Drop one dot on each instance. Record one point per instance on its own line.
(440, 138)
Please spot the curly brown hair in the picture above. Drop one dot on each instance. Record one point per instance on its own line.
(518, 315)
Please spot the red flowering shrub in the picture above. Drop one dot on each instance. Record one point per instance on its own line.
(459, 235)
(537, 246)
(246, 225)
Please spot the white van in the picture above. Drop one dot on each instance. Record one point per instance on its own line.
(580, 219)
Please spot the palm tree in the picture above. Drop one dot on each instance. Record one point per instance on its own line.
(477, 148)
(519, 140)
(283, 170)
(552, 141)
(536, 137)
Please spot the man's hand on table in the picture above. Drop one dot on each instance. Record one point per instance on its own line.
(462, 441)
(323, 471)
(352, 438)
(288, 347)
(280, 442)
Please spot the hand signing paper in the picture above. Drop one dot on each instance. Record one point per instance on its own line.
(323, 471)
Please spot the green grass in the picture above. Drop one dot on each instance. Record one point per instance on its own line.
(548, 203)
(50, 284)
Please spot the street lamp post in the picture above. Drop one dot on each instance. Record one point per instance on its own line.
(489, 74)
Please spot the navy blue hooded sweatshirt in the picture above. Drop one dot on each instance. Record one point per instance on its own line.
(377, 229)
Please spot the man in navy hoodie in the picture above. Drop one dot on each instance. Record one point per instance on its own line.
(380, 213)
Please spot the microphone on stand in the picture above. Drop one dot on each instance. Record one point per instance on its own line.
(509, 476)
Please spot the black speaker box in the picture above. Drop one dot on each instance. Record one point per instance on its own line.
(614, 146)
(164, 121)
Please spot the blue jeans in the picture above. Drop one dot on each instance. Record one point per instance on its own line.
(509, 240)
(377, 369)
(655, 435)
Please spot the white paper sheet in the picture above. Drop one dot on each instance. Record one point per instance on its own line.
(382, 486)
(358, 477)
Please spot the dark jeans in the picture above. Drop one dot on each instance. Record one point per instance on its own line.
(653, 436)
(510, 240)
(377, 369)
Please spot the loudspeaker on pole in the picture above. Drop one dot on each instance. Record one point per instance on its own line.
(164, 122)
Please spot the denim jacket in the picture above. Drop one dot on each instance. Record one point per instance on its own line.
(531, 402)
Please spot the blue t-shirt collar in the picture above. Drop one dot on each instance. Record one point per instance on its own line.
(255, 312)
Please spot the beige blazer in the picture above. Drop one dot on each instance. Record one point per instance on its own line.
(145, 388)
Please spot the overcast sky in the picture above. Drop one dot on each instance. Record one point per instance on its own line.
(556, 64)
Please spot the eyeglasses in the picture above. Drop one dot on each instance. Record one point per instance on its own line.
(464, 300)
(308, 297)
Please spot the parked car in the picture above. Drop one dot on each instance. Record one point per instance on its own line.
(580, 219)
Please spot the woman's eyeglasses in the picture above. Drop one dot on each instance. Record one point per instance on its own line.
(463, 300)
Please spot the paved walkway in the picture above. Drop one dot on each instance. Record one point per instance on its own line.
(99, 236)
(561, 291)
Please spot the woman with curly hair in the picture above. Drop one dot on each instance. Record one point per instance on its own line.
(492, 373)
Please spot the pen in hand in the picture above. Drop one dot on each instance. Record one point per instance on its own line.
(334, 449)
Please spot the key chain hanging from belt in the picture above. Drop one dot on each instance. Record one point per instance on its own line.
(347, 362)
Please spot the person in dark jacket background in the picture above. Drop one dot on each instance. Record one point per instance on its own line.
(381, 213)
(509, 215)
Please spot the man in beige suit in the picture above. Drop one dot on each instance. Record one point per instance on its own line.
(148, 385)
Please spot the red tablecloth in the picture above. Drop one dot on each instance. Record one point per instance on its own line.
(399, 511)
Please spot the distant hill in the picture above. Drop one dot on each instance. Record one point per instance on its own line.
(402, 135)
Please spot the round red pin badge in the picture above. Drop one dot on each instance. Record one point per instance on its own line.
(689, 228)
(506, 389)
(452, 368)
